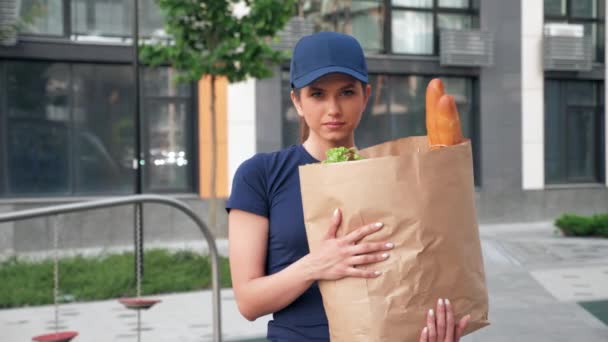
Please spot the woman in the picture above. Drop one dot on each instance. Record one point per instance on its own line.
(272, 268)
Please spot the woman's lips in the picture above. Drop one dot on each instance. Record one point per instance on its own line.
(334, 125)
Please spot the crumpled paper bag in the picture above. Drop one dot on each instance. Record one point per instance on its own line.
(426, 201)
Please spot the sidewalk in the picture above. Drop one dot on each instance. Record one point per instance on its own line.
(535, 281)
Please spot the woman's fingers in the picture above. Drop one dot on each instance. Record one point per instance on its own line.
(368, 258)
(449, 321)
(462, 324)
(336, 219)
(430, 324)
(370, 247)
(361, 232)
(424, 335)
(360, 273)
(441, 320)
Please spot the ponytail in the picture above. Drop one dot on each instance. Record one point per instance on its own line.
(304, 130)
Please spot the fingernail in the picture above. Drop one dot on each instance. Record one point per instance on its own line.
(385, 255)
(431, 313)
(336, 211)
(390, 245)
(377, 273)
(440, 301)
(425, 330)
(379, 225)
(447, 301)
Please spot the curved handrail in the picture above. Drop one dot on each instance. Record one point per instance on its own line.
(135, 199)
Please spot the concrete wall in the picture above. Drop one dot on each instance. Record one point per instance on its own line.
(105, 228)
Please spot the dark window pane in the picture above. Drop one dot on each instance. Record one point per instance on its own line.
(412, 32)
(581, 144)
(104, 133)
(553, 137)
(584, 8)
(572, 124)
(161, 82)
(43, 17)
(581, 93)
(169, 157)
(555, 7)
(101, 19)
(38, 127)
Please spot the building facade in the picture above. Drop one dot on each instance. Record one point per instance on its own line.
(69, 131)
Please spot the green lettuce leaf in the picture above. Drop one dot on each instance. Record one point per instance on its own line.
(341, 154)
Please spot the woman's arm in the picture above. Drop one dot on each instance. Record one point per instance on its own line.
(258, 294)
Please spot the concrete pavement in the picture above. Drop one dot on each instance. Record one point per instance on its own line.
(535, 279)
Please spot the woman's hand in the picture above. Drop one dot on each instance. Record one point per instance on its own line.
(337, 258)
(440, 326)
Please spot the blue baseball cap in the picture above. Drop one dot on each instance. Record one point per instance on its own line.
(324, 53)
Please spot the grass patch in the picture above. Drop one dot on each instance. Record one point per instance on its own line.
(576, 225)
(26, 283)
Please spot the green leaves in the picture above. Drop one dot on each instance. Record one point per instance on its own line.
(341, 154)
(210, 39)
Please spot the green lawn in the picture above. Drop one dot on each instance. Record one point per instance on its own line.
(26, 283)
(598, 309)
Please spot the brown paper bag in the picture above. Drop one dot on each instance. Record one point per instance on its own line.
(426, 201)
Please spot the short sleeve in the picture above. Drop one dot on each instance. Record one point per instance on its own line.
(249, 188)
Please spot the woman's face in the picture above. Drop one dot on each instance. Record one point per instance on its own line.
(332, 107)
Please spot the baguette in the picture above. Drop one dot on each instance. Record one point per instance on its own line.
(442, 119)
(447, 123)
(434, 91)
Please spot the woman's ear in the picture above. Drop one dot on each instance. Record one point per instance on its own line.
(295, 99)
(368, 93)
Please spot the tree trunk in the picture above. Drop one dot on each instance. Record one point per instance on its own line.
(212, 186)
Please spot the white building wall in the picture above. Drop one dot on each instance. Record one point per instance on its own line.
(241, 125)
(532, 97)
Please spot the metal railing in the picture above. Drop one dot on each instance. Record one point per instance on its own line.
(138, 200)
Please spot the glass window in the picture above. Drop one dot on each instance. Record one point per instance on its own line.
(71, 129)
(414, 3)
(161, 82)
(104, 129)
(555, 7)
(363, 19)
(455, 21)
(412, 32)
(589, 13)
(97, 19)
(43, 17)
(573, 131)
(168, 132)
(584, 8)
(151, 20)
(454, 3)
(38, 126)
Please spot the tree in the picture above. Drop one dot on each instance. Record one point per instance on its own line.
(209, 38)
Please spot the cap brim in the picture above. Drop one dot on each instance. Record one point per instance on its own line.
(313, 76)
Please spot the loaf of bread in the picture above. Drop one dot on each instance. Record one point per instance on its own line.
(442, 119)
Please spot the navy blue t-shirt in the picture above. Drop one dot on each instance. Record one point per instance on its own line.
(268, 184)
